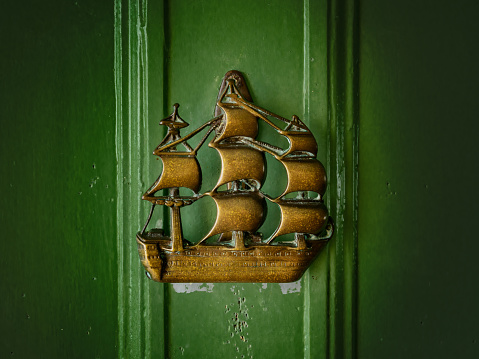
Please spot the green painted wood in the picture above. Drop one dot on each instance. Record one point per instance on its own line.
(139, 96)
(85, 86)
(418, 245)
(57, 208)
(83, 96)
(283, 50)
(233, 319)
(343, 75)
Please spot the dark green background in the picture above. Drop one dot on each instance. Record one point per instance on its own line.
(81, 96)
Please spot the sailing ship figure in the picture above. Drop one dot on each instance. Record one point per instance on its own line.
(240, 254)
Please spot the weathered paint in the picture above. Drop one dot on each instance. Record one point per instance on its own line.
(286, 288)
(192, 287)
(92, 82)
(289, 288)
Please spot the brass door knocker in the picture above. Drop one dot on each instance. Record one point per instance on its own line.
(239, 254)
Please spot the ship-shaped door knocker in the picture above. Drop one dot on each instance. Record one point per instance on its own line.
(239, 254)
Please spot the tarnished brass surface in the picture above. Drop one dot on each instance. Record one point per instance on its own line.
(240, 254)
(238, 211)
(178, 171)
(304, 217)
(301, 143)
(241, 163)
(212, 263)
(239, 123)
(304, 175)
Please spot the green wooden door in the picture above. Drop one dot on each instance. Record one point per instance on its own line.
(83, 86)
(86, 85)
(178, 51)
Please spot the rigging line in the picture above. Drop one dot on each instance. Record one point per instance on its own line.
(213, 127)
(159, 149)
(262, 112)
(261, 146)
(149, 218)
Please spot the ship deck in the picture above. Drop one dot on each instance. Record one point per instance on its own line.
(260, 262)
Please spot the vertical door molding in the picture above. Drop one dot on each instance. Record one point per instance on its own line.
(138, 97)
(343, 79)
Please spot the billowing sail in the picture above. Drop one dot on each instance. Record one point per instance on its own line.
(238, 211)
(300, 142)
(308, 217)
(240, 162)
(237, 122)
(304, 175)
(178, 171)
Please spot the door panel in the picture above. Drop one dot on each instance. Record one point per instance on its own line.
(206, 39)
(179, 52)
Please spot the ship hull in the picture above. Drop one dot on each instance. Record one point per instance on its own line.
(217, 263)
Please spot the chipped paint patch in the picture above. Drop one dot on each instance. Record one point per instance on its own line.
(288, 288)
(193, 287)
(237, 312)
(263, 286)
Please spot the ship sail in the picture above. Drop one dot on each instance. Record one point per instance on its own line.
(301, 143)
(302, 215)
(240, 162)
(238, 122)
(304, 175)
(242, 169)
(178, 171)
(247, 205)
(309, 217)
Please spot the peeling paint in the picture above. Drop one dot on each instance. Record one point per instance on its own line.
(94, 181)
(193, 287)
(237, 312)
(288, 288)
(263, 286)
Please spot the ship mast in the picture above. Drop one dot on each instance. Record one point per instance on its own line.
(242, 168)
(180, 169)
(302, 216)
